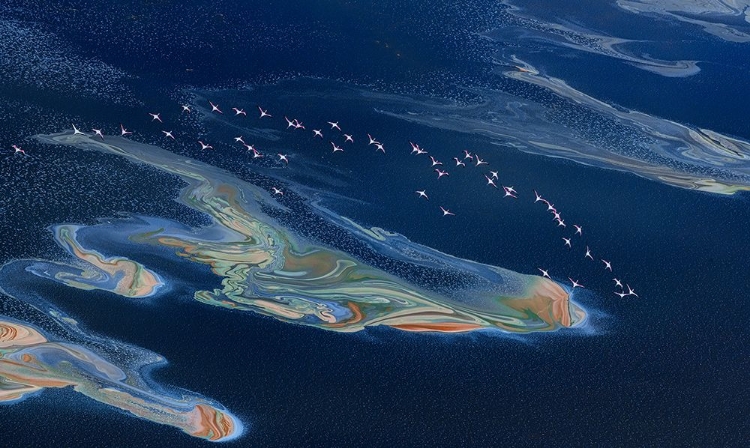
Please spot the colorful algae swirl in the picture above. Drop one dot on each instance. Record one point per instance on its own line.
(264, 268)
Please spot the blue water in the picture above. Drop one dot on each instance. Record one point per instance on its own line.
(667, 369)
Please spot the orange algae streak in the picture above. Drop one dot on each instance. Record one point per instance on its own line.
(211, 424)
(17, 392)
(358, 316)
(441, 327)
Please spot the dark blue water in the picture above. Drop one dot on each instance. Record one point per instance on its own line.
(669, 368)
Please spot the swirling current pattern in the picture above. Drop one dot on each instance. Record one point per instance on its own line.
(726, 19)
(590, 132)
(115, 274)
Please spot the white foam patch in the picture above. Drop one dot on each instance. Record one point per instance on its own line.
(722, 18)
(573, 36)
(32, 57)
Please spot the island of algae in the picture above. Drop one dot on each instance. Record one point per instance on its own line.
(265, 269)
(29, 362)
